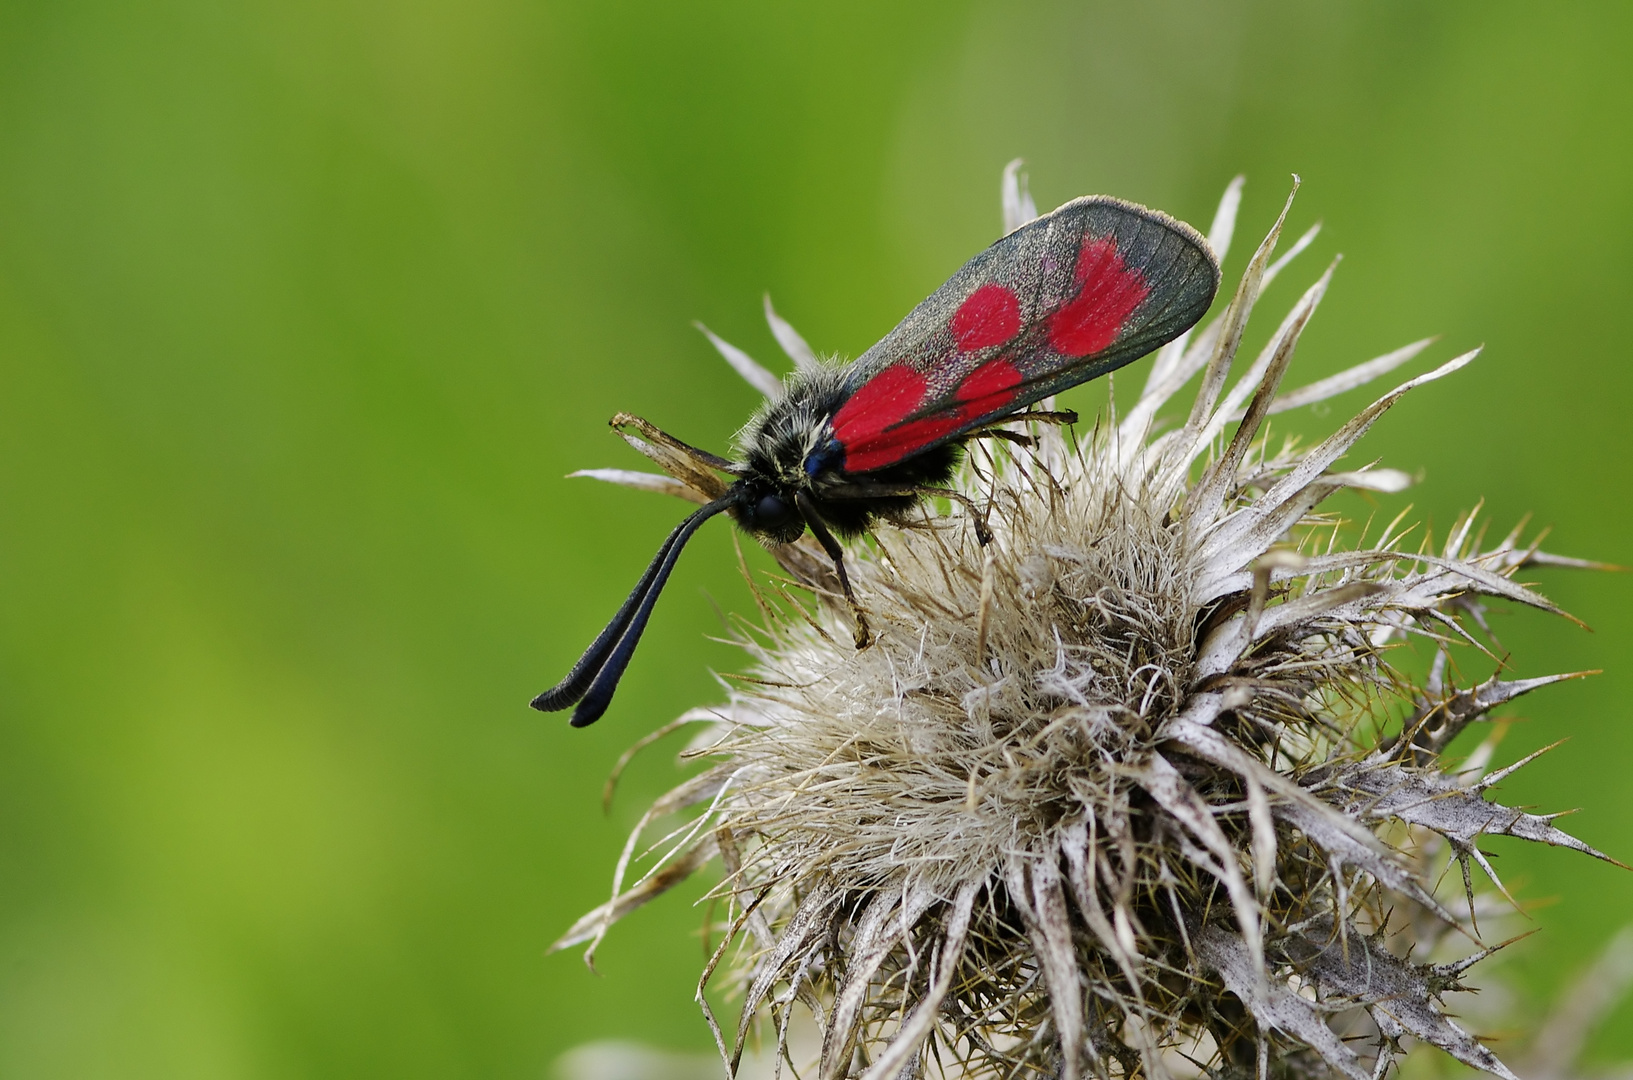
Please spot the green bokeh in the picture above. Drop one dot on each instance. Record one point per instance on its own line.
(306, 308)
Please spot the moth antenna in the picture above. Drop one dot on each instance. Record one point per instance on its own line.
(577, 683)
(599, 695)
(637, 607)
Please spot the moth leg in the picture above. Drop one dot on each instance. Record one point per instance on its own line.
(1005, 435)
(996, 431)
(830, 545)
(1061, 418)
(1040, 416)
(978, 513)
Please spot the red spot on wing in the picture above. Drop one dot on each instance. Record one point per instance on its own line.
(903, 442)
(991, 316)
(988, 387)
(888, 398)
(1110, 292)
(864, 435)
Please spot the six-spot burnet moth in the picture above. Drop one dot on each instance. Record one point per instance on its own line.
(1075, 294)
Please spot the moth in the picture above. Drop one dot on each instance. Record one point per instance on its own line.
(1079, 292)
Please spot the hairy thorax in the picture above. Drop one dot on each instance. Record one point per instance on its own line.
(790, 449)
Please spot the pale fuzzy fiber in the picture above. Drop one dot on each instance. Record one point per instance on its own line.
(1134, 772)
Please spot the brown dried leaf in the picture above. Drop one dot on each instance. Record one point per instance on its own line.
(691, 466)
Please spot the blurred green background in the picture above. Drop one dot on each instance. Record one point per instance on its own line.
(306, 308)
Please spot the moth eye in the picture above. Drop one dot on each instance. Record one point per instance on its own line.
(772, 511)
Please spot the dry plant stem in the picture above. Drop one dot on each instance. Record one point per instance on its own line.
(1135, 789)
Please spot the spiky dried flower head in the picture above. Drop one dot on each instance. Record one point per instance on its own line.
(1134, 789)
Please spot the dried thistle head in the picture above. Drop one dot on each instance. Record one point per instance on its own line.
(1139, 787)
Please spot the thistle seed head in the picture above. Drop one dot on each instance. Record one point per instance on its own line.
(1144, 786)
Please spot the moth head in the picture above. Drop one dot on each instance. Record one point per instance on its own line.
(767, 511)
